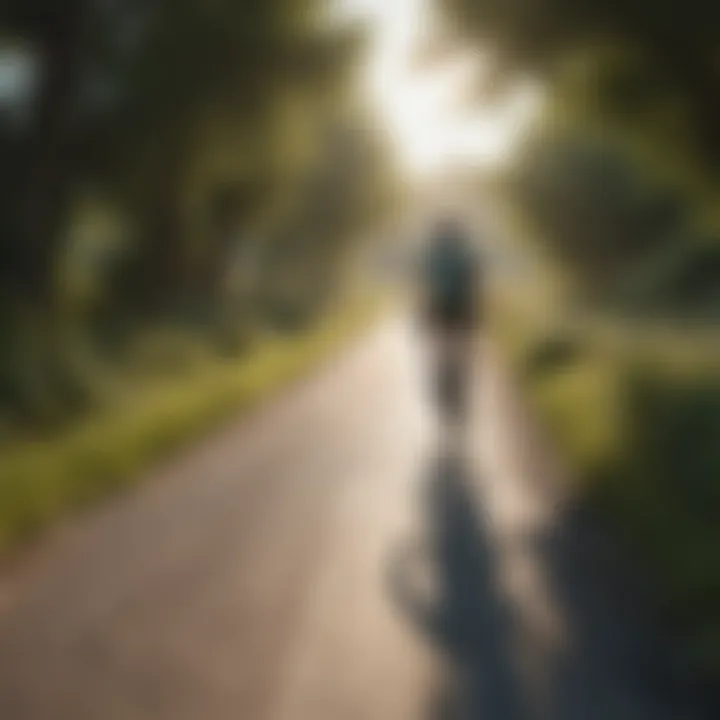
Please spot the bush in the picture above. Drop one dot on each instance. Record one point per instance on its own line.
(553, 353)
(42, 480)
(682, 280)
(168, 351)
(625, 237)
(642, 433)
(670, 481)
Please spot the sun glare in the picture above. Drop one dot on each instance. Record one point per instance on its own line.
(426, 112)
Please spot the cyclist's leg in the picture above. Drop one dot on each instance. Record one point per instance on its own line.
(452, 375)
(462, 370)
(451, 360)
(463, 342)
(441, 366)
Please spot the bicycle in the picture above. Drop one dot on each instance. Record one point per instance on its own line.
(452, 378)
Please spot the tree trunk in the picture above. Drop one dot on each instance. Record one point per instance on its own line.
(47, 185)
(161, 262)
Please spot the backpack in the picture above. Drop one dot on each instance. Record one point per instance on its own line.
(451, 277)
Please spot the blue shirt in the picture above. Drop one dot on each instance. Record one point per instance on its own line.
(451, 271)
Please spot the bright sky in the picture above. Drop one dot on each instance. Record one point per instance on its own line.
(424, 111)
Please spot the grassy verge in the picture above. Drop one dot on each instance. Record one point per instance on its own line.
(41, 481)
(637, 414)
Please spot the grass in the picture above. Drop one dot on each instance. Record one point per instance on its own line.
(636, 412)
(42, 481)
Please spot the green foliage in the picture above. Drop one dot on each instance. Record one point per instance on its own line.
(553, 353)
(671, 474)
(43, 479)
(681, 281)
(171, 140)
(627, 238)
(638, 423)
(619, 186)
(636, 52)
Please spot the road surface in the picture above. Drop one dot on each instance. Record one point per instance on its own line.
(326, 560)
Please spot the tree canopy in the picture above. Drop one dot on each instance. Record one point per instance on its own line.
(198, 126)
(665, 49)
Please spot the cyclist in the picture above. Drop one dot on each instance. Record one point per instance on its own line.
(451, 306)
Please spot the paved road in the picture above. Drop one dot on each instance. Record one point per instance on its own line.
(324, 561)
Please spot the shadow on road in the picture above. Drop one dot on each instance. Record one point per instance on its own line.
(464, 614)
(619, 659)
(614, 662)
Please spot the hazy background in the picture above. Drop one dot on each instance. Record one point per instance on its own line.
(184, 182)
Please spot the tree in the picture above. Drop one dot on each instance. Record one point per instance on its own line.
(56, 31)
(174, 115)
(675, 48)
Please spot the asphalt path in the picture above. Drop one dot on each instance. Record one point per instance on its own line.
(330, 558)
